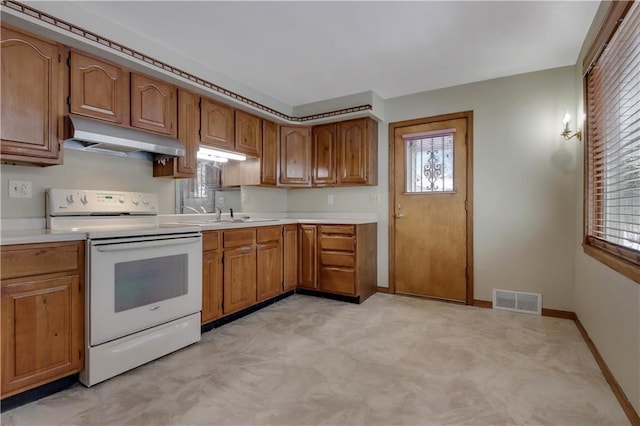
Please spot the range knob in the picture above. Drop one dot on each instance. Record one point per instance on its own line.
(84, 199)
(145, 201)
(121, 199)
(135, 200)
(70, 199)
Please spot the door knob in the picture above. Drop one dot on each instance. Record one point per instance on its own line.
(399, 215)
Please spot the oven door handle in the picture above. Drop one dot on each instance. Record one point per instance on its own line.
(147, 244)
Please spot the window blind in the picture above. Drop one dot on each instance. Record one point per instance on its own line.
(612, 195)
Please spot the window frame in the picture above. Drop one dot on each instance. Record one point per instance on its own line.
(623, 260)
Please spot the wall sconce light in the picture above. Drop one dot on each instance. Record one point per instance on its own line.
(566, 133)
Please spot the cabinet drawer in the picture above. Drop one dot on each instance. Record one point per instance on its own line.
(38, 259)
(332, 258)
(210, 240)
(338, 280)
(337, 229)
(269, 233)
(337, 242)
(239, 238)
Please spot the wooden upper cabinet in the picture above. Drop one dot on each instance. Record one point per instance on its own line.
(358, 152)
(217, 124)
(324, 155)
(153, 105)
(269, 157)
(97, 89)
(188, 134)
(248, 134)
(32, 101)
(295, 156)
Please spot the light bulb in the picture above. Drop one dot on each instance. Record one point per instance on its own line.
(566, 119)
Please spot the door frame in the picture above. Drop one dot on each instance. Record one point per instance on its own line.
(468, 116)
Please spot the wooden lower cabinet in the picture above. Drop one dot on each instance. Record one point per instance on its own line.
(239, 269)
(307, 257)
(290, 257)
(211, 277)
(42, 314)
(269, 262)
(348, 259)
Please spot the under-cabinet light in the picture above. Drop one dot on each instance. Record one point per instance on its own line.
(220, 156)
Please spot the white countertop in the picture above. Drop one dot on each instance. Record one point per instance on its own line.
(26, 231)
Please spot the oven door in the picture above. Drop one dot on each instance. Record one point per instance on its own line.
(138, 283)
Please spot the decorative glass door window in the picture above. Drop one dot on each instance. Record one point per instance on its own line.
(429, 162)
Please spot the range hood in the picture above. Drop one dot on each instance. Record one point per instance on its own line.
(95, 136)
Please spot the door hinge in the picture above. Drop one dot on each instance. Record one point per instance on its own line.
(222, 260)
(59, 58)
(200, 132)
(200, 103)
(69, 100)
(69, 60)
(466, 205)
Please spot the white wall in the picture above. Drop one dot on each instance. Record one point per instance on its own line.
(83, 170)
(606, 302)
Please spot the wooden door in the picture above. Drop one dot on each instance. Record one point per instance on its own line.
(42, 331)
(308, 258)
(269, 260)
(248, 134)
(217, 124)
(31, 101)
(295, 156)
(356, 159)
(269, 156)
(290, 261)
(188, 134)
(211, 286)
(153, 105)
(324, 155)
(430, 223)
(97, 89)
(239, 278)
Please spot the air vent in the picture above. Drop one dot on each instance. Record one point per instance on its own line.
(517, 301)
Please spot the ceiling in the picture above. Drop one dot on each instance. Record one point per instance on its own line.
(303, 52)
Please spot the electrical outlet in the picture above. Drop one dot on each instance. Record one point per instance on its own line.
(374, 197)
(20, 189)
(330, 199)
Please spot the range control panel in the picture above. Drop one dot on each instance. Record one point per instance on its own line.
(84, 202)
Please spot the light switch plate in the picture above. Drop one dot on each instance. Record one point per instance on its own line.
(20, 189)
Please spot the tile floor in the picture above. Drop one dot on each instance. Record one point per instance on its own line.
(391, 360)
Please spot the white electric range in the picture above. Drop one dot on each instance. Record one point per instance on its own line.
(144, 280)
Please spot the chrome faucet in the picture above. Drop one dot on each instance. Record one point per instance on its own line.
(190, 208)
(218, 213)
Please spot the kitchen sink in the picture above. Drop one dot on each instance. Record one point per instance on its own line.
(210, 222)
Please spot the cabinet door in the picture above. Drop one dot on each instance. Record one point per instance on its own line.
(239, 278)
(290, 261)
(269, 156)
(324, 155)
(248, 134)
(295, 156)
(42, 332)
(211, 286)
(269, 270)
(31, 101)
(308, 258)
(188, 129)
(357, 153)
(153, 105)
(217, 124)
(97, 89)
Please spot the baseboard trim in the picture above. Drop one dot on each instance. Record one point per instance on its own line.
(382, 289)
(624, 402)
(482, 303)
